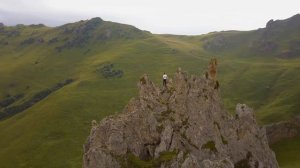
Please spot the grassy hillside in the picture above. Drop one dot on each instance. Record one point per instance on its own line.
(279, 39)
(51, 131)
(287, 152)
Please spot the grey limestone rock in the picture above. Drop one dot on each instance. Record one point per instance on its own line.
(184, 125)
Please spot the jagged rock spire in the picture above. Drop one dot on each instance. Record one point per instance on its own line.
(183, 126)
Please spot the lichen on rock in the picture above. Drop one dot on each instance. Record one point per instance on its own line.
(184, 125)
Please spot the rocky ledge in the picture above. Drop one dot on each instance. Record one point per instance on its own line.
(184, 125)
(283, 130)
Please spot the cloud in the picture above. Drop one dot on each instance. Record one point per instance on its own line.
(167, 16)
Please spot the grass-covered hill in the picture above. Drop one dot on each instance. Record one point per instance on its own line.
(279, 39)
(54, 81)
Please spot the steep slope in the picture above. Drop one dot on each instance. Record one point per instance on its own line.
(279, 38)
(35, 59)
(184, 121)
(55, 127)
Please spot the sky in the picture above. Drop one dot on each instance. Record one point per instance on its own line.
(190, 17)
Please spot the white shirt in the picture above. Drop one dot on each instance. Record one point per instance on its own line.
(165, 76)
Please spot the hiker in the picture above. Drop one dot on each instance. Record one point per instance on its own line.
(165, 77)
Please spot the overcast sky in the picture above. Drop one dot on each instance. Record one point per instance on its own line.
(157, 16)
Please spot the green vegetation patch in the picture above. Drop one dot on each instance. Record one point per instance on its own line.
(10, 111)
(10, 100)
(135, 162)
(210, 145)
(287, 152)
(224, 141)
(108, 71)
(264, 82)
(244, 163)
(143, 80)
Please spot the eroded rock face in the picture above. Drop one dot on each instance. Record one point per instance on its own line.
(282, 130)
(182, 126)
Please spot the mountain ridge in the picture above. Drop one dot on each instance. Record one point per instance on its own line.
(279, 38)
(56, 127)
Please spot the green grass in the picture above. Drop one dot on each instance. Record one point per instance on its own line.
(51, 133)
(287, 152)
(135, 162)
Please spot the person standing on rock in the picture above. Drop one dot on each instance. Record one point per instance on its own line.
(165, 77)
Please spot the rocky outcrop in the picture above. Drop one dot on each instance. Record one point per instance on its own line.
(184, 125)
(282, 130)
(291, 22)
(268, 41)
(212, 69)
(216, 43)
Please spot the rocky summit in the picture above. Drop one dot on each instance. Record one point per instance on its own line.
(182, 125)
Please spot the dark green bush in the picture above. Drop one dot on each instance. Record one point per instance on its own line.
(132, 161)
(53, 40)
(108, 71)
(10, 100)
(28, 41)
(210, 145)
(244, 163)
(10, 111)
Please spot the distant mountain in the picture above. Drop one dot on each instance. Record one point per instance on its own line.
(55, 80)
(74, 35)
(279, 38)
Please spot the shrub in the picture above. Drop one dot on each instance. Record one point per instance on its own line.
(28, 41)
(53, 40)
(10, 100)
(108, 71)
(244, 163)
(10, 111)
(133, 161)
(210, 145)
